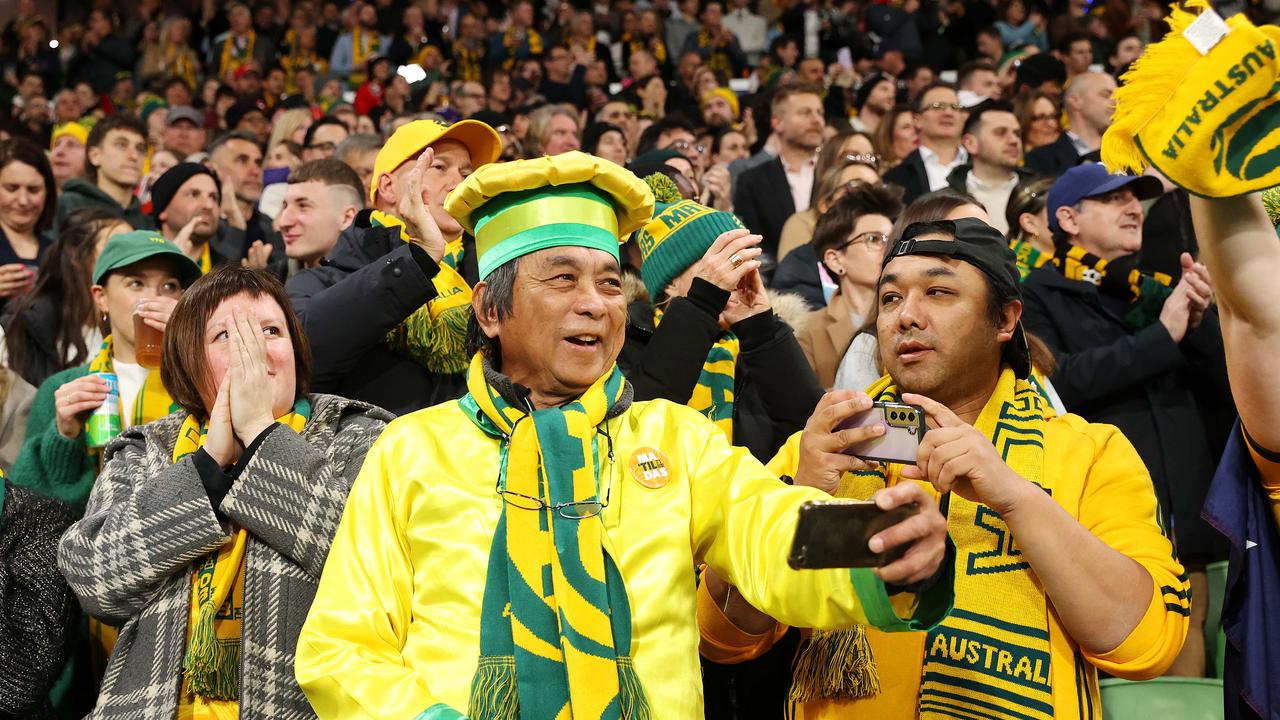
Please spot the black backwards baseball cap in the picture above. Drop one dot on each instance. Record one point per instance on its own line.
(983, 247)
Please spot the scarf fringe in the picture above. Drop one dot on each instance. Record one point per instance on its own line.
(1149, 85)
(833, 665)
(494, 692)
(211, 666)
(635, 703)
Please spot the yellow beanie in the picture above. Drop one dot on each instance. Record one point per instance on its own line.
(73, 128)
(1202, 106)
(730, 96)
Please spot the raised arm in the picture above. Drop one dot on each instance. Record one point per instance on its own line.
(1240, 246)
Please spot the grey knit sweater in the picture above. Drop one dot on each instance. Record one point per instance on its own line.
(129, 559)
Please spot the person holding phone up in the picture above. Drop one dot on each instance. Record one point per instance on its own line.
(1061, 567)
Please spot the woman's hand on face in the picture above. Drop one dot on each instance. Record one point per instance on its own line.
(14, 279)
(74, 401)
(250, 385)
(220, 442)
(156, 311)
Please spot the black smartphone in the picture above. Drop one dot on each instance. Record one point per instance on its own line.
(834, 534)
(904, 426)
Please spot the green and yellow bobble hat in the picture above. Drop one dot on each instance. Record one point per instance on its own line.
(1202, 106)
(573, 199)
(678, 235)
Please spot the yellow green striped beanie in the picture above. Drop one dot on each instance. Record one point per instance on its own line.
(678, 235)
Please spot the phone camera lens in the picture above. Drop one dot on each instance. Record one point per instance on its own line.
(893, 415)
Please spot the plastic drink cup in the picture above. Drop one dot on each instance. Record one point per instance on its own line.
(104, 422)
(146, 341)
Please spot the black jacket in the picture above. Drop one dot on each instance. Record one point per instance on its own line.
(1057, 157)
(909, 175)
(762, 199)
(798, 274)
(775, 390)
(1171, 400)
(371, 282)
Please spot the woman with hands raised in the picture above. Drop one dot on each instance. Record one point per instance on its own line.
(226, 508)
(708, 337)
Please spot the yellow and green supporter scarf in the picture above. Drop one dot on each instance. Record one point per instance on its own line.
(990, 656)
(211, 665)
(555, 624)
(713, 396)
(435, 335)
(1028, 257)
(717, 57)
(152, 402)
(364, 45)
(1118, 278)
(512, 41)
(468, 61)
(235, 54)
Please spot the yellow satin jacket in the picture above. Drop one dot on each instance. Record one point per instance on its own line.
(394, 631)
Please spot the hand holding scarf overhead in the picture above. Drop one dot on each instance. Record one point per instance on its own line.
(1202, 106)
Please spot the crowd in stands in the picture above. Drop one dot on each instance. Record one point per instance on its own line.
(820, 203)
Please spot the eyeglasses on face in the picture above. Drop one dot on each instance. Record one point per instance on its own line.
(873, 240)
(1044, 116)
(943, 106)
(682, 145)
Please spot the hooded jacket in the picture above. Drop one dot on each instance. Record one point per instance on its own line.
(79, 192)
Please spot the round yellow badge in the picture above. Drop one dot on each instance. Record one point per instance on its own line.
(650, 468)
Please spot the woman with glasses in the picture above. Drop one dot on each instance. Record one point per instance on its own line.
(834, 156)
(851, 239)
(207, 530)
(1040, 118)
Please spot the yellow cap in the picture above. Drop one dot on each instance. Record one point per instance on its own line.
(730, 96)
(73, 128)
(405, 143)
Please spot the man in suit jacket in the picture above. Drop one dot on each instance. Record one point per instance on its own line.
(940, 121)
(1087, 102)
(759, 199)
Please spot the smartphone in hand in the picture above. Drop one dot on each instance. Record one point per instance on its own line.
(834, 534)
(904, 427)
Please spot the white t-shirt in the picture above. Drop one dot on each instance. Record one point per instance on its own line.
(132, 377)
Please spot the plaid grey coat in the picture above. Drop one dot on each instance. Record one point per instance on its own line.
(130, 559)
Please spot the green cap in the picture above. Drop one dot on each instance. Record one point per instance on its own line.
(128, 248)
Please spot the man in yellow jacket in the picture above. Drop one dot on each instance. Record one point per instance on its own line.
(1061, 567)
(531, 550)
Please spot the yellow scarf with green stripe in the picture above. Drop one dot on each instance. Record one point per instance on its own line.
(435, 335)
(152, 402)
(1028, 257)
(555, 625)
(991, 655)
(713, 395)
(211, 665)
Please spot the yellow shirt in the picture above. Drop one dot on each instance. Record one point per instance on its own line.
(395, 626)
(1100, 481)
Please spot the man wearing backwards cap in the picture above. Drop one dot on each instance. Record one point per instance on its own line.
(386, 314)
(1136, 351)
(1086, 580)
(496, 594)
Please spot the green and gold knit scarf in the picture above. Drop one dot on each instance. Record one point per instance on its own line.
(435, 335)
(1118, 278)
(713, 396)
(991, 654)
(555, 624)
(1027, 257)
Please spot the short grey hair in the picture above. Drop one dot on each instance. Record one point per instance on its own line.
(498, 298)
(360, 143)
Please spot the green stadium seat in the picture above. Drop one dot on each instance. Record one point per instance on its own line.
(1166, 698)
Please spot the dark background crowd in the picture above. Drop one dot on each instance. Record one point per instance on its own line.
(195, 118)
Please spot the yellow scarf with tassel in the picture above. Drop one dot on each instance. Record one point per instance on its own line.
(435, 335)
(992, 652)
(1202, 105)
(211, 665)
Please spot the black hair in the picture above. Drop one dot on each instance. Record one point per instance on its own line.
(976, 112)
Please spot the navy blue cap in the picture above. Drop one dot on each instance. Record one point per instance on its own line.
(1091, 180)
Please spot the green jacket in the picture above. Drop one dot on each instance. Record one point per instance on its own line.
(79, 193)
(49, 463)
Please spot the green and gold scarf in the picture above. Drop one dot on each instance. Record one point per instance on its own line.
(1028, 257)
(1118, 278)
(152, 402)
(991, 654)
(713, 395)
(555, 624)
(435, 335)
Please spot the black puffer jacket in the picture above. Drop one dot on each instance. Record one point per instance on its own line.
(775, 390)
(371, 282)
